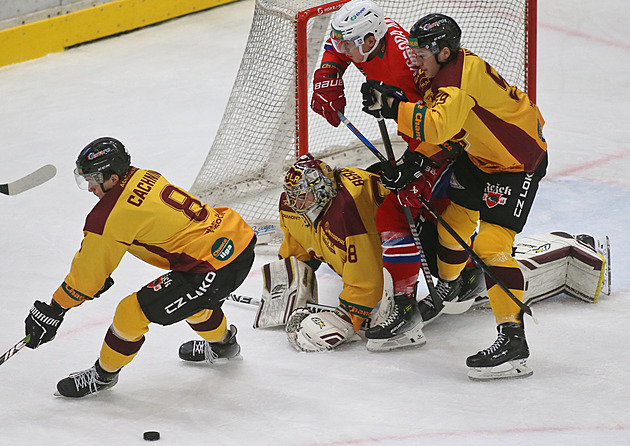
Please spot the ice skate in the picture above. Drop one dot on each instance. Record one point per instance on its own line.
(506, 358)
(211, 352)
(402, 328)
(88, 381)
(445, 292)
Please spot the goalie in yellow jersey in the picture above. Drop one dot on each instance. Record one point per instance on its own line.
(209, 252)
(495, 179)
(327, 216)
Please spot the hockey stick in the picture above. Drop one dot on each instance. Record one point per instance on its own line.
(437, 302)
(30, 181)
(13, 350)
(313, 308)
(476, 258)
(449, 307)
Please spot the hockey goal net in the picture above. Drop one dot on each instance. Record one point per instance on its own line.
(268, 121)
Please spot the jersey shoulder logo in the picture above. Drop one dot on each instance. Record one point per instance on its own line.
(223, 248)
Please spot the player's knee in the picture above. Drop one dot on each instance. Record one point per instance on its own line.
(494, 244)
(130, 321)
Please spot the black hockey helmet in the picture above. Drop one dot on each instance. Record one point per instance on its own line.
(434, 32)
(102, 158)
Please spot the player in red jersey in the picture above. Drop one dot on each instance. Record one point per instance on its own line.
(378, 47)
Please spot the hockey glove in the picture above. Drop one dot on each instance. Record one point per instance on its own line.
(375, 99)
(106, 286)
(419, 187)
(398, 177)
(42, 322)
(328, 95)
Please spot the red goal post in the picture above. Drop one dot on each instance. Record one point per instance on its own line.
(268, 121)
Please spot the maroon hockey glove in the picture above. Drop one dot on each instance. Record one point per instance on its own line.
(419, 187)
(328, 96)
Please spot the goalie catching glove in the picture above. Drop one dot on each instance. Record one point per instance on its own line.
(288, 284)
(381, 100)
(328, 95)
(318, 332)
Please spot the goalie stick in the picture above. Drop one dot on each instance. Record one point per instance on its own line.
(313, 308)
(30, 181)
(13, 350)
(526, 309)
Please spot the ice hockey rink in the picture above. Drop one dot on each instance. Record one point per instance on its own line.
(162, 92)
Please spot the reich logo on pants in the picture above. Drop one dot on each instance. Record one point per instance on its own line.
(495, 194)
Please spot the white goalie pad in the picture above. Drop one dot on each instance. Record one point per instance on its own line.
(287, 284)
(560, 263)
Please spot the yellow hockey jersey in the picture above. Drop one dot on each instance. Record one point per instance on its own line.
(345, 237)
(469, 102)
(160, 224)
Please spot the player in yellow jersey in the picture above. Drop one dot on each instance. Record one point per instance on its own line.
(209, 252)
(494, 180)
(328, 216)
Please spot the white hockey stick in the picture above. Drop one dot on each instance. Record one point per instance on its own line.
(315, 308)
(30, 181)
(16, 348)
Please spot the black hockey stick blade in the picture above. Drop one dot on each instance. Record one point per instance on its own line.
(30, 181)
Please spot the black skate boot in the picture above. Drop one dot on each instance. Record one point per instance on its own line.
(402, 328)
(88, 381)
(506, 358)
(200, 350)
(445, 291)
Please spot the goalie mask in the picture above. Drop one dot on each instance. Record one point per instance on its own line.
(354, 22)
(309, 186)
(99, 160)
(434, 32)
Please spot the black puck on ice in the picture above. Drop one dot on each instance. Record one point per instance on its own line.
(151, 436)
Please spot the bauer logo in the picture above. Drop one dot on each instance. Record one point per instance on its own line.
(223, 249)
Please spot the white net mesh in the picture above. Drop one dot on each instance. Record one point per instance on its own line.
(256, 142)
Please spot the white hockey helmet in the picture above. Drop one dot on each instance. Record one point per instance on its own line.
(309, 176)
(353, 22)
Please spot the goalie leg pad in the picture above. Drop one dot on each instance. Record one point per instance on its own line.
(288, 284)
(318, 332)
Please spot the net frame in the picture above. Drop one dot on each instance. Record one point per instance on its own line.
(245, 165)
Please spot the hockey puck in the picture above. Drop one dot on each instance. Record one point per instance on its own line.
(151, 435)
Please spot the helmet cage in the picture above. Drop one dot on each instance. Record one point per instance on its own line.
(309, 176)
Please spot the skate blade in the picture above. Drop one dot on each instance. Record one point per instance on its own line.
(414, 339)
(510, 369)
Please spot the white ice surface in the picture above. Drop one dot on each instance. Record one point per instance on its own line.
(162, 91)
